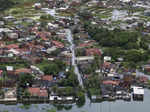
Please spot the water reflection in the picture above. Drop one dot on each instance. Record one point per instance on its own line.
(116, 106)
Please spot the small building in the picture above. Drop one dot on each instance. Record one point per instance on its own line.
(138, 93)
(23, 70)
(107, 58)
(38, 93)
(37, 6)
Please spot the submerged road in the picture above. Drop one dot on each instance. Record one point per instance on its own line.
(76, 70)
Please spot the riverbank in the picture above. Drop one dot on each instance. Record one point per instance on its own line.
(115, 106)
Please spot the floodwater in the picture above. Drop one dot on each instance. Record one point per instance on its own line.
(116, 106)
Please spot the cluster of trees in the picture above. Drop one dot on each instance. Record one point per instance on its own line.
(46, 17)
(85, 15)
(25, 80)
(66, 91)
(4, 4)
(132, 46)
(117, 38)
(70, 80)
(52, 67)
(93, 81)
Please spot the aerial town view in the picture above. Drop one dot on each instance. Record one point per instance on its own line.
(74, 55)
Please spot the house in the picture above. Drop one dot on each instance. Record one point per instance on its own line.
(107, 65)
(49, 50)
(9, 68)
(138, 93)
(83, 45)
(9, 18)
(40, 93)
(93, 51)
(146, 68)
(111, 82)
(37, 6)
(1, 71)
(10, 94)
(23, 70)
(44, 81)
(47, 78)
(2, 23)
(13, 35)
(12, 46)
(143, 79)
(84, 58)
(107, 58)
(58, 44)
(43, 35)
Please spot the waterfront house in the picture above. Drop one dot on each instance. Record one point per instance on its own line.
(38, 93)
(138, 93)
(45, 81)
(10, 94)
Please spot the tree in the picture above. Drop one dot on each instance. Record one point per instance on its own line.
(133, 55)
(26, 94)
(4, 4)
(55, 89)
(81, 99)
(25, 79)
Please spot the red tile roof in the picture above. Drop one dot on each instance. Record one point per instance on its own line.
(58, 44)
(12, 46)
(47, 77)
(110, 82)
(38, 92)
(85, 45)
(1, 71)
(22, 70)
(93, 51)
(44, 35)
(107, 65)
(143, 79)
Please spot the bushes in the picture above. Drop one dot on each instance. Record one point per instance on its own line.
(81, 99)
(4, 4)
(46, 17)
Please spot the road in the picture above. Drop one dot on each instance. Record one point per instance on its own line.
(76, 70)
(52, 12)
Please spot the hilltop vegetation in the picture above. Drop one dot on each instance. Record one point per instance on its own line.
(5, 4)
(119, 43)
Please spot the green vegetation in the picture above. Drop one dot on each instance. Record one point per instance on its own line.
(5, 111)
(51, 110)
(5, 4)
(25, 79)
(149, 82)
(25, 106)
(66, 91)
(71, 80)
(81, 99)
(126, 44)
(46, 17)
(52, 67)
